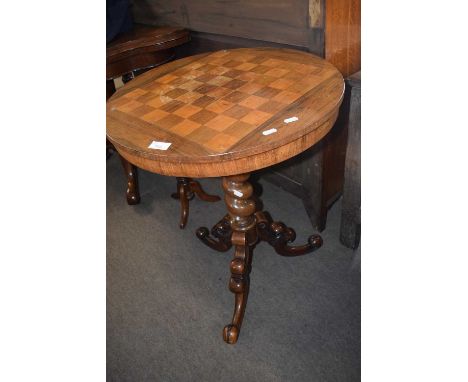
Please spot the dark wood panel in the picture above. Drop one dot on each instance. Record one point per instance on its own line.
(350, 231)
(208, 42)
(343, 35)
(269, 20)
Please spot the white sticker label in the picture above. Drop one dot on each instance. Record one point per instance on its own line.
(238, 193)
(268, 132)
(292, 119)
(159, 145)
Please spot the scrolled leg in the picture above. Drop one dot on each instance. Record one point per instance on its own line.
(183, 182)
(197, 189)
(241, 208)
(184, 194)
(278, 235)
(186, 190)
(133, 192)
(239, 284)
(221, 231)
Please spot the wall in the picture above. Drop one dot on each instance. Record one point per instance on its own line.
(295, 22)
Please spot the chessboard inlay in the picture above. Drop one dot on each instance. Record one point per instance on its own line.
(221, 98)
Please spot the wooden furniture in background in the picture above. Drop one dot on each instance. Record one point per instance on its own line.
(227, 114)
(350, 231)
(328, 28)
(131, 54)
(143, 48)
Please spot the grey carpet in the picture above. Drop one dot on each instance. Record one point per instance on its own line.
(167, 295)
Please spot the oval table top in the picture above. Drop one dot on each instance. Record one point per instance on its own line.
(225, 113)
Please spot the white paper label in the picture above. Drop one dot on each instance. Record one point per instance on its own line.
(159, 145)
(268, 132)
(292, 119)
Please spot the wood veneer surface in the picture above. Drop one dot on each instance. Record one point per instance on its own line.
(215, 108)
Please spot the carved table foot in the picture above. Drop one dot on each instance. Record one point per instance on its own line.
(186, 190)
(221, 231)
(133, 192)
(243, 228)
(278, 235)
(239, 282)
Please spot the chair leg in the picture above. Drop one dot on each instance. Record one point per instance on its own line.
(196, 188)
(110, 88)
(184, 195)
(186, 190)
(133, 192)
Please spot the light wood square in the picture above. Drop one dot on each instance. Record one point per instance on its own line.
(312, 80)
(281, 83)
(195, 65)
(239, 130)
(253, 102)
(256, 117)
(248, 76)
(159, 101)
(202, 135)
(246, 66)
(299, 87)
(219, 80)
(250, 88)
(303, 69)
(273, 62)
(157, 88)
(129, 106)
(294, 76)
(167, 78)
(191, 85)
(187, 110)
(272, 107)
(265, 80)
(277, 72)
(141, 110)
(286, 97)
(218, 92)
(218, 70)
(135, 93)
(145, 98)
(185, 127)
(220, 143)
(220, 61)
(192, 74)
(190, 97)
(154, 116)
(220, 123)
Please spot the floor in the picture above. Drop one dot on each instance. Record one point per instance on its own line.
(168, 301)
